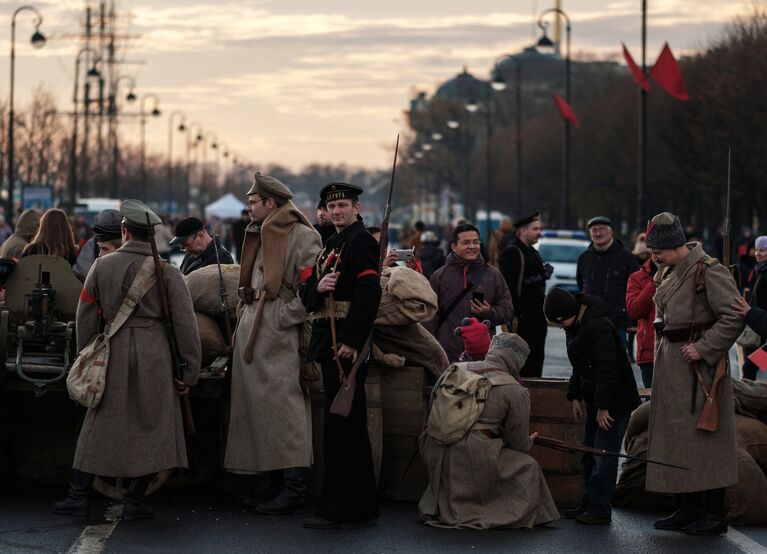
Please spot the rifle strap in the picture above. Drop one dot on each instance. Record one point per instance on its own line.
(144, 280)
(697, 378)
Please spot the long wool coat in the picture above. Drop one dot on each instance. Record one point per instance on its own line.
(484, 483)
(137, 428)
(270, 423)
(674, 438)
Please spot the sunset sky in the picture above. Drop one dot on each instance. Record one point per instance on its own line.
(301, 81)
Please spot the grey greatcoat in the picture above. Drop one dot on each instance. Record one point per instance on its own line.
(270, 424)
(673, 437)
(484, 483)
(137, 428)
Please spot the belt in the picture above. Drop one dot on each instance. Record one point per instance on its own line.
(682, 334)
(248, 295)
(341, 306)
(488, 433)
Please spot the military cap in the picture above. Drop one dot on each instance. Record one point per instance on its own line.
(184, 229)
(339, 191)
(599, 220)
(665, 232)
(268, 187)
(107, 225)
(135, 213)
(525, 219)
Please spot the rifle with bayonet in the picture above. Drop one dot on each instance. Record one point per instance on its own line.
(178, 363)
(726, 232)
(342, 403)
(572, 448)
(226, 322)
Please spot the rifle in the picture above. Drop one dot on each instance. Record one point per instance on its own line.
(342, 403)
(572, 448)
(726, 242)
(227, 324)
(178, 363)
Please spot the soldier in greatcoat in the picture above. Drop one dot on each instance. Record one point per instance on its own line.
(347, 268)
(136, 430)
(696, 329)
(270, 417)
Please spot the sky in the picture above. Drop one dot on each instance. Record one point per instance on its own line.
(318, 81)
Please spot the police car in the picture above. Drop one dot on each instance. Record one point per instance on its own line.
(561, 249)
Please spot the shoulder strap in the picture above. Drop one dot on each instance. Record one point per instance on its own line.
(472, 284)
(144, 280)
(521, 278)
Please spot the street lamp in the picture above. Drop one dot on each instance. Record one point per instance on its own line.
(499, 84)
(545, 42)
(193, 129)
(171, 128)
(474, 106)
(142, 119)
(92, 73)
(38, 41)
(112, 133)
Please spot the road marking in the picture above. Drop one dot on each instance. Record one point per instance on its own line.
(746, 544)
(93, 539)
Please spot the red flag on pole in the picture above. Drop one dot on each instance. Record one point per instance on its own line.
(566, 111)
(759, 357)
(666, 73)
(639, 77)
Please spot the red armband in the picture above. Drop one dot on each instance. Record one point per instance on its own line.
(87, 297)
(305, 274)
(367, 272)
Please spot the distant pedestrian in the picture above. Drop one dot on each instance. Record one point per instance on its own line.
(756, 292)
(431, 255)
(54, 237)
(641, 308)
(26, 229)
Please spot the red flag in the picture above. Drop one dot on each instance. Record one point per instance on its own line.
(566, 111)
(759, 358)
(666, 73)
(639, 77)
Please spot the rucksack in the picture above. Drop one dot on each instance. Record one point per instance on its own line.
(87, 377)
(457, 401)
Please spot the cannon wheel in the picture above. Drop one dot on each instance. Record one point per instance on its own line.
(4, 316)
(115, 488)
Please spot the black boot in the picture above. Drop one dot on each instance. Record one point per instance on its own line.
(291, 497)
(714, 518)
(272, 490)
(134, 505)
(76, 502)
(690, 510)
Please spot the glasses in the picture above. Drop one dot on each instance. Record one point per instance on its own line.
(469, 242)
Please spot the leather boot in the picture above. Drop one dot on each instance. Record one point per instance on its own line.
(714, 518)
(76, 502)
(134, 505)
(690, 511)
(271, 491)
(291, 497)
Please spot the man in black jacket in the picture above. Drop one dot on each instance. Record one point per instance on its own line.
(604, 270)
(192, 237)
(602, 391)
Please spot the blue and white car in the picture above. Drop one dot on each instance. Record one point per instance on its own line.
(561, 249)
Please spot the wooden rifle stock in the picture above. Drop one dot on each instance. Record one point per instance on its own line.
(170, 333)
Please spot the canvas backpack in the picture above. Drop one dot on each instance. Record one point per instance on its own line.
(87, 377)
(457, 401)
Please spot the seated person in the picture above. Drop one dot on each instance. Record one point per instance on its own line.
(54, 237)
(486, 479)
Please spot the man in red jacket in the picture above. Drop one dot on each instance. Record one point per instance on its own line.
(640, 307)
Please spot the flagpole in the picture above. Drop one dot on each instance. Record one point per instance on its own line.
(642, 176)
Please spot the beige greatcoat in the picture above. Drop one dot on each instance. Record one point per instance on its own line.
(270, 417)
(673, 438)
(137, 428)
(484, 483)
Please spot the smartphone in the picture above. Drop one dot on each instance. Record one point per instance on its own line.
(478, 296)
(404, 254)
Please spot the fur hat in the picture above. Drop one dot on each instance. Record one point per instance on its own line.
(665, 232)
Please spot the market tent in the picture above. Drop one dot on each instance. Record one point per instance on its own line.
(226, 207)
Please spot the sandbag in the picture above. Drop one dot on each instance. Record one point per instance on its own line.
(211, 338)
(204, 288)
(750, 398)
(751, 435)
(639, 422)
(630, 491)
(415, 343)
(407, 297)
(748, 499)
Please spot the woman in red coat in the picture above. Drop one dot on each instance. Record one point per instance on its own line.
(641, 308)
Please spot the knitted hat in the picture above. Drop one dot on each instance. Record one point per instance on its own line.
(475, 335)
(559, 305)
(665, 232)
(761, 242)
(511, 349)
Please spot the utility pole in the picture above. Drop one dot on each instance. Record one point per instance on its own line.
(83, 187)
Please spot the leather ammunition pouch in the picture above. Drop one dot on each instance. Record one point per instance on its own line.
(341, 306)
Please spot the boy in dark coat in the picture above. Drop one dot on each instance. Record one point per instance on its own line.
(602, 391)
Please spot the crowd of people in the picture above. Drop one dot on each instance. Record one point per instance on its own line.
(492, 317)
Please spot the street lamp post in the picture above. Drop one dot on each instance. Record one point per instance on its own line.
(545, 41)
(499, 84)
(171, 128)
(189, 145)
(92, 72)
(130, 97)
(38, 41)
(473, 106)
(142, 119)
(213, 146)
